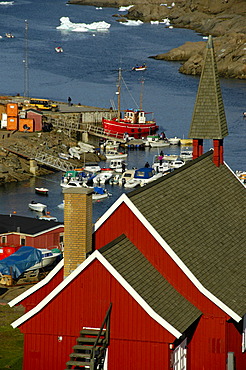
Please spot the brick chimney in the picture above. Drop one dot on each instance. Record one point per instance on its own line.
(77, 227)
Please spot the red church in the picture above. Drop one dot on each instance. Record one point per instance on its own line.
(159, 282)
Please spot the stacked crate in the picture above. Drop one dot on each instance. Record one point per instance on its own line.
(12, 116)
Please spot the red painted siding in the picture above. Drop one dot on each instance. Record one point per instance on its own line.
(49, 239)
(135, 337)
(234, 343)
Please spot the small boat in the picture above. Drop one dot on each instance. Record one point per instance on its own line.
(102, 177)
(64, 156)
(9, 35)
(61, 205)
(115, 179)
(186, 155)
(186, 142)
(48, 218)
(118, 165)
(174, 140)
(48, 258)
(177, 163)
(35, 206)
(109, 145)
(114, 154)
(100, 193)
(142, 67)
(71, 184)
(132, 183)
(42, 191)
(92, 167)
(126, 176)
(159, 143)
(161, 166)
(146, 175)
(59, 49)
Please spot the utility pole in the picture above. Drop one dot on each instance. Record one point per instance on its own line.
(25, 61)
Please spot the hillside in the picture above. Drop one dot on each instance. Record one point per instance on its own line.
(225, 20)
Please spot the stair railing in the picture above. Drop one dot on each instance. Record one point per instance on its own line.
(106, 323)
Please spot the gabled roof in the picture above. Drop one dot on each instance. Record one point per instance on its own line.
(209, 120)
(25, 225)
(151, 286)
(140, 279)
(199, 210)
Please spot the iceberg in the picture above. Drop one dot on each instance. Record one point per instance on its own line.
(132, 23)
(67, 25)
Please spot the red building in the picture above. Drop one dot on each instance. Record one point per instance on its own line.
(37, 118)
(16, 231)
(167, 259)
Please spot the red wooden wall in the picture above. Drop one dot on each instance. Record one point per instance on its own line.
(208, 344)
(137, 341)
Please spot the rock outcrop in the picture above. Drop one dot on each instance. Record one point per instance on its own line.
(225, 20)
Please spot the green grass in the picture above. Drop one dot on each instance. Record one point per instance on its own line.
(11, 340)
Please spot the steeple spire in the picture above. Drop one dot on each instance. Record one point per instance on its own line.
(209, 120)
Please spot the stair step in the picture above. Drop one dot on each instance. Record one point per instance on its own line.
(79, 347)
(78, 363)
(92, 332)
(81, 355)
(89, 340)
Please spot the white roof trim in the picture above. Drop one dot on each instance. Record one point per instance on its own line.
(37, 286)
(97, 255)
(170, 252)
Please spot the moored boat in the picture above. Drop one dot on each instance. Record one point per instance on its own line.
(114, 154)
(134, 123)
(42, 191)
(142, 67)
(35, 206)
(174, 140)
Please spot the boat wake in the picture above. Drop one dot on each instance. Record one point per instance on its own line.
(67, 25)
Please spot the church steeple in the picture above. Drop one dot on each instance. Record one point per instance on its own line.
(209, 120)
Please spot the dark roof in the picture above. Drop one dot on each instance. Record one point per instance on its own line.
(200, 211)
(209, 120)
(150, 284)
(25, 225)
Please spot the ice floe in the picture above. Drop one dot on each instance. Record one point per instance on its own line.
(125, 8)
(67, 25)
(132, 23)
(6, 2)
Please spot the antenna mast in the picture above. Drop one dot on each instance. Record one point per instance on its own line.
(25, 61)
(118, 93)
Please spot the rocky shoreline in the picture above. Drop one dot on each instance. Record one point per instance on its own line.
(225, 20)
(14, 168)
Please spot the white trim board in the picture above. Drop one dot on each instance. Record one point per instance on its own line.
(96, 255)
(124, 199)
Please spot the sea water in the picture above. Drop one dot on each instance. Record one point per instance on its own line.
(87, 72)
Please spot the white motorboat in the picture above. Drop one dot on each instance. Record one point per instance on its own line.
(114, 154)
(174, 140)
(42, 191)
(71, 184)
(61, 205)
(48, 258)
(118, 165)
(177, 163)
(161, 167)
(35, 206)
(126, 176)
(159, 143)
(86, 148)
(115, 179)
(186, 155)
(132, 183)
(92, 167)
(48, 218)
(59, 49)
(146, 175)
(109, 145)
(102, 177)
(100, 193)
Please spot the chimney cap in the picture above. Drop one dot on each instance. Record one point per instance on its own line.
(78, 190)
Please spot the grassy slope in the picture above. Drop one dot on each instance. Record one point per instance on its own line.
(11, 340)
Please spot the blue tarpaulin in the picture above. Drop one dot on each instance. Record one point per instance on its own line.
(19, 261)
(98, 190)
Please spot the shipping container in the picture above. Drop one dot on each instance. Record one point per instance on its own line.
(12, 123)
(12, 109)
(26, 125)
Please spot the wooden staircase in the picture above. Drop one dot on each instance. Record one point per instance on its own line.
(90, 350)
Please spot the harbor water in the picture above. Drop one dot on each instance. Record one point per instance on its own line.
(87, 72)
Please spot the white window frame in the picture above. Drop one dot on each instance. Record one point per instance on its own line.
(4, 239)
(180, 356)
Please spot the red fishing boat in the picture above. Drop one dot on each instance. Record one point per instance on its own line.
(134, 123)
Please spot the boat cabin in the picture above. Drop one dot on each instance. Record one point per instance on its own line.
(135, 116)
